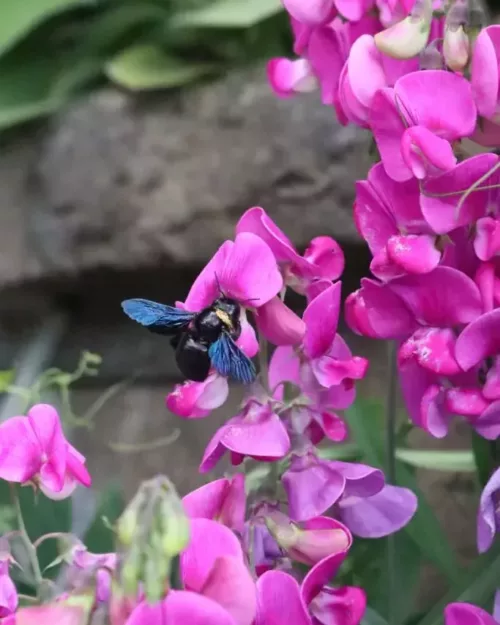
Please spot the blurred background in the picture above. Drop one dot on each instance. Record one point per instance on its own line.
(133, 135)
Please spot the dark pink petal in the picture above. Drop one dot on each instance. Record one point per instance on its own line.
(181, 607)
(232, 587)
(279, 324)
(321, 319)
(380, 515)
(342, 606)
(487, 133)
(487, 240)
(485, 70)
(327, 57)
(441, 195)
(20, 451)
(205, 502)
(374, 221)
(324, 260)
(361, 480)
(250, 273)
(433, 349)
(487, 516)
(46, 425)
(414, 253)
(425, 99)
(377, 311)
(8, 596)
(485, 280)
(479, 340)
(465, 401)
(75, 466)
(445, 297)
(312, 487)
(288, 77)
(205, 289)
(279, 600)
(491, 388)
(320, 575)
(209, 540)
(388, 128)
(330, 371)
(332, 425)
(466, 614)
(424, 153)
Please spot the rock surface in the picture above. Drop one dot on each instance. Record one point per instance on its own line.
(124, 183)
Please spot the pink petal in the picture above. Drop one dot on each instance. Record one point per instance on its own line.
(247, 340)
(46, 425)
(326, 55)
(205, 289)
(8, 596)
(466, 614)
(433, 349)
(374, 221)
(213, 452)
(20, 452)
(279, 324)
(487, 133)
(195, 400)
(326, 258)
(320, 575)
(209, 540)
(479, 340)
(445, 297)
(361, 479)
(50, 614)
(465, 401)
(342, 606)
(181, 607)
(425, 153)
(311, 12)
(487, 241)
(425, 99)
(288, 77)
(366, 74)
(206, 501)
(485, 70)
(283, 367)
(321, 319)
(279, 601)
(232, 587)
(441, 195)
(352, 10)
(413, 253)
(488, 423)
(332, 425)
(330, 371)
(263, 435)
(75, 466)
(383, 514)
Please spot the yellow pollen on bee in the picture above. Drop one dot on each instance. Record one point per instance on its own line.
(224, 317)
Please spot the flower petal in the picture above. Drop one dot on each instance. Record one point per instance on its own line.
(485, 70)
(205, 289)
(466, 614)
(20, 452)
(480, 339)
(181, 607)
(279, 600)
(279, 324)
(321, 319)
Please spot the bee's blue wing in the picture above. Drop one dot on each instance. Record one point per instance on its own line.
(157, 317)
(228, 359)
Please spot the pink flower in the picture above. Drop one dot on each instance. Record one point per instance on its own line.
(33, 449)
(485, 71)
(95, 568)
(388, 216)
(8, 591)
(288, 77)
(195, 400)
(323, 259)
(487, 239)
(414, 124)
(467, 614)
(221, 500)
(281, 600)
(257, 432)
(218, 589)
(488, 516)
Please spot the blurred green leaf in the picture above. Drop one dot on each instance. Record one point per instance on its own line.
(99, 538)
(442, 460)
(372, 617)
(19, 17)
(147, 66)
(365, 419)
(347, 451)
(6, 379)
(230, 14)
(485, 457)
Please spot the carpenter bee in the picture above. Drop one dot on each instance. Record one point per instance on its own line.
(200, 340)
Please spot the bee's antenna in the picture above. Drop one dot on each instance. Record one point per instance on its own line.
(221, 292)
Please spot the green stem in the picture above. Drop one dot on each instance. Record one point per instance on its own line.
(30, 548)
(263, 364)
(391, 471)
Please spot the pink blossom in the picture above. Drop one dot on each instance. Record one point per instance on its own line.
(414, 125)
(48, 615)
(288, 77)
(257, 432)
(34, 449)
(8, 591)
(96, 568)
(488, 516)
(281, 600)
(487, 239)
(485, 71)
(221, 500)
(195, 400)
(467, 614)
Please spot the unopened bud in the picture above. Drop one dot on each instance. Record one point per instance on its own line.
(407, 38)
(131, 572)
(456, 48)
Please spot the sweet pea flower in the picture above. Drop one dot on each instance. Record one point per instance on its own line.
(196, 400)
(388, 216)
(222, 500)
(467, 614)
(266, 553)
(485, 71)
(85, 567)
(281, 600)
(323, 259)
(8, 591)
(34, 449)
(257, 432)
(407, 38)
(288, 77)
(488, 516)
(218, 588)
(414, 125)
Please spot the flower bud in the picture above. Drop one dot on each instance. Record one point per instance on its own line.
(407, 38)
(456, 48)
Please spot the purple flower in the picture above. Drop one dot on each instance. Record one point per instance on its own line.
(488, 517)
(467, 614)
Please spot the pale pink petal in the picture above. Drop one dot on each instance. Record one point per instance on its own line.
(183, 400)
(263, 435)
(485, 70)
(479, 340)
(279, 324)
(366, 74)
(441, 195)
(205, 288)
(487, 240)
(283, 367)
(321, 319)
(50, 614)
(181, 607)
(20, 451)
(424, 153)
(209, 540)
(232, 587)
(413, 253)
(279, 600)
(247, 341)
(311, 12)
(352, 10)
(288, 77)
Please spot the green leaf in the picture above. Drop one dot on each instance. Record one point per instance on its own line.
(19, 17)
(348, 451)
(485, 457)
(365, 420)
(6, 378)
(99, 538)
(147, 66)
(372, 617)
(443, 460)
(229, 14)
